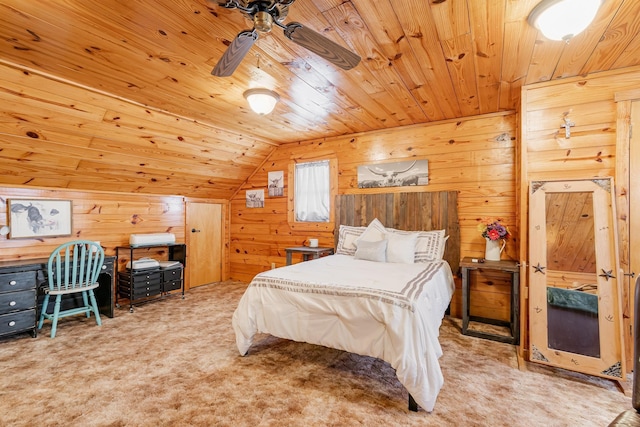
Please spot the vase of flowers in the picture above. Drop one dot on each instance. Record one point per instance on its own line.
(496, 236)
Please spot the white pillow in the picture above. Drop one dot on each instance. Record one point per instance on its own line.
(401, 247)
(375, 232)
(429, 245)
(347, 236)
(372, 251)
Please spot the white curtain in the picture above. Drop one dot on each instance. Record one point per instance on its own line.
(312, 191)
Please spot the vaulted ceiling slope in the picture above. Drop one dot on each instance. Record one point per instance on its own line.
(422, 61)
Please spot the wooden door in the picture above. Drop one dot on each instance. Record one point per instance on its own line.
(204, 241)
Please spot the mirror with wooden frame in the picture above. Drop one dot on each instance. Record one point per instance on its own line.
(575, 308)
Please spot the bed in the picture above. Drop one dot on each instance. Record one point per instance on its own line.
(359, 302)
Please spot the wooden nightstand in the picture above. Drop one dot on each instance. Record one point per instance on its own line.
(308, 252)
(514, 324)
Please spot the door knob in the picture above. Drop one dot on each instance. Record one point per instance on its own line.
(193, 230)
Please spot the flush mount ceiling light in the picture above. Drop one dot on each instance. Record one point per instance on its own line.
(262, 101)
(563, 19)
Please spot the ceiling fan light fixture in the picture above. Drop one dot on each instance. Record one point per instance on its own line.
(261, 101)
(563, 19)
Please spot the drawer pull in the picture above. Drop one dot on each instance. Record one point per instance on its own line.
(104, 267)
(12, 323)
(12, 303)
(13, 283)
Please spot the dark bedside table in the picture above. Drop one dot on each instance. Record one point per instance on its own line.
(307, 252)
(514, 324)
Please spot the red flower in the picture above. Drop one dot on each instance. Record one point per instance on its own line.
(493, 234)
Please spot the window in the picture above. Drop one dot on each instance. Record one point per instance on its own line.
(312, 186)
(313, 183)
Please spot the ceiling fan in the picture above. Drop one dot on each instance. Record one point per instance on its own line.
(267, 13)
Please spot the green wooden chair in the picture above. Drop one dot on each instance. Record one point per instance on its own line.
(73, 268)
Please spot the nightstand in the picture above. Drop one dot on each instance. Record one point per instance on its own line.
(307, 252)
(511, 267)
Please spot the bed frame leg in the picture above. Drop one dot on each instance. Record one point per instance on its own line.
(413, 406)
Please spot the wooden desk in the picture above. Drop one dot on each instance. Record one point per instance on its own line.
(514, 324)
(307, 252)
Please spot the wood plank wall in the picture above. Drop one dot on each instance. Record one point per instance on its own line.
(590, 103)
(475, 156)
(107, 217)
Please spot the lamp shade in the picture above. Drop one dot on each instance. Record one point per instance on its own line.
(563, 19)
(262, 101)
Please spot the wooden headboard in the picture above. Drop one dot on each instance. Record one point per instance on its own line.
(405, 211)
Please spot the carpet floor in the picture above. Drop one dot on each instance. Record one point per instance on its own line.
(174, 362)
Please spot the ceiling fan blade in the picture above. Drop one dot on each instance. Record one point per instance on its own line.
(234, 54)
(321, 46)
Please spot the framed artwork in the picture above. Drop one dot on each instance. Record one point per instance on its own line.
(276, 184)
(255, 198)
(397, 174)
(33, 218)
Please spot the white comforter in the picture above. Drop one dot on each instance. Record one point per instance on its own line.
(389, 311)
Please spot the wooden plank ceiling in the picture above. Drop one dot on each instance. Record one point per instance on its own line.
(422, 61)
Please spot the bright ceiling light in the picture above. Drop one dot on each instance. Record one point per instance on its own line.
(262, 101)
(563, 19)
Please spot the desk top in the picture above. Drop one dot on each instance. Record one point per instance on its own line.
(502, 265)
(34, 264)
(307, 249)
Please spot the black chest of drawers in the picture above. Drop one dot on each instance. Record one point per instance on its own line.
(18, 291)
(172, 279)
(140, 286)
(22, 286)
(136, 285)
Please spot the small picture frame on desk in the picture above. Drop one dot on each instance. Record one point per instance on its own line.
(35, 218)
